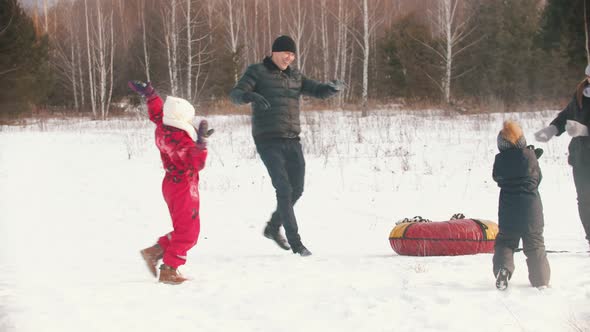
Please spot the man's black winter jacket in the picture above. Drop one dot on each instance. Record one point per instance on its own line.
(282, 89)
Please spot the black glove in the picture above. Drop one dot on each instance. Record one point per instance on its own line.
(336, 85)
(144, 89)
(538, 151)
(203, 132)
(256, 98)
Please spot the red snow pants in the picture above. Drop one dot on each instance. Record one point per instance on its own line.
(183, 203)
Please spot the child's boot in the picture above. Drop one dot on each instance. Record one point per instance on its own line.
(151, 256)
(502, 279)
(170, 275)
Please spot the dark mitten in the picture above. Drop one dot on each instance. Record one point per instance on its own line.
(144, 89)
(253, 97)
(336, 85)
(538, 151)
(203, 132)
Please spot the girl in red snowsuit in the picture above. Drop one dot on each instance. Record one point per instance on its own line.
(183, 152)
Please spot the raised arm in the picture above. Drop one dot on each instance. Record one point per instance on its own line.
(245, 84)
(561, 119)
(154, 102)
(320, 90)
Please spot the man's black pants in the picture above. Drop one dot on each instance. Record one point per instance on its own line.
(285, 163)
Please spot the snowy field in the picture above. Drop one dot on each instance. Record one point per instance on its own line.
(79, 199)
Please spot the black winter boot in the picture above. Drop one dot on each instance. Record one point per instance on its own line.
(301, 250)
(502, 279)
(274, 234)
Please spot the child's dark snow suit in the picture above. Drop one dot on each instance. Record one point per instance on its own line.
(520, 212)
(182, 161)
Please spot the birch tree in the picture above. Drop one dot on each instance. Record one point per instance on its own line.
(296, 30)
(453, 32)
(324, 40)
(268, 41)
(370, 21)
(90, 61)
(232, 27)
(171, 42)
(46, 17)
(146, 57)
(587, 28)
(64, 58)
(104, 58)
(189, 41)
(198, 40)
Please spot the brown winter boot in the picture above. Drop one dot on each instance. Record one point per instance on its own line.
(170, 275)
(151, 256)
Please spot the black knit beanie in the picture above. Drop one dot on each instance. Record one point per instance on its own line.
(284, 44)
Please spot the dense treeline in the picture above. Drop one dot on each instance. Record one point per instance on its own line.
(78, 54)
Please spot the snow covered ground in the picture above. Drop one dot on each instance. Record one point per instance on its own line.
(79, 199)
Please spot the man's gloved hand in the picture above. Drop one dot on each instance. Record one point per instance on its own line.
(336, 85)
(203, 133)
(538, 151)
(575, 129)
(546, 133)
(256, 98)
(144, 89)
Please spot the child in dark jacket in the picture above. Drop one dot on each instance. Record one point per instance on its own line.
(183, 150)
(520, 211)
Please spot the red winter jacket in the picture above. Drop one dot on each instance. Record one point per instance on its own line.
(181, 158)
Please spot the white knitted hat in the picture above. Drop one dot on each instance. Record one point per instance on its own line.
(179, 113)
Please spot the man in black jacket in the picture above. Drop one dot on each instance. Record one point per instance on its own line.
(575, 119)
(274, 89)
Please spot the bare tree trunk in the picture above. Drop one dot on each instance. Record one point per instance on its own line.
(233, 29)
(210, 11)
(88, 51)
(280, 7)
(366, 35)
(174, 42)
(146, 57)
(102, 71)
(112, 49)
(256, 42)
(189, 52)
(349, 72)
(587, 28)
(73, 66)
(171, 39)
(80, 75)
(247, 50)
(296, 31)
(339, 40)
(448, 34)
(324, 34)
(267, 45)
(344, 57)
(453, 33)
(45, 13)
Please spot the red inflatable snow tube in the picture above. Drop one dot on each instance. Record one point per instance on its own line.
(444, 238)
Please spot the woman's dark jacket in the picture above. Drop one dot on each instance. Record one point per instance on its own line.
(518, 175)
(282, 89)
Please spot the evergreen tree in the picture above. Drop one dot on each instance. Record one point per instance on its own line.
(504, 60)
(405, 64)
(562, 27)
(24, 78)
(561, 43)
